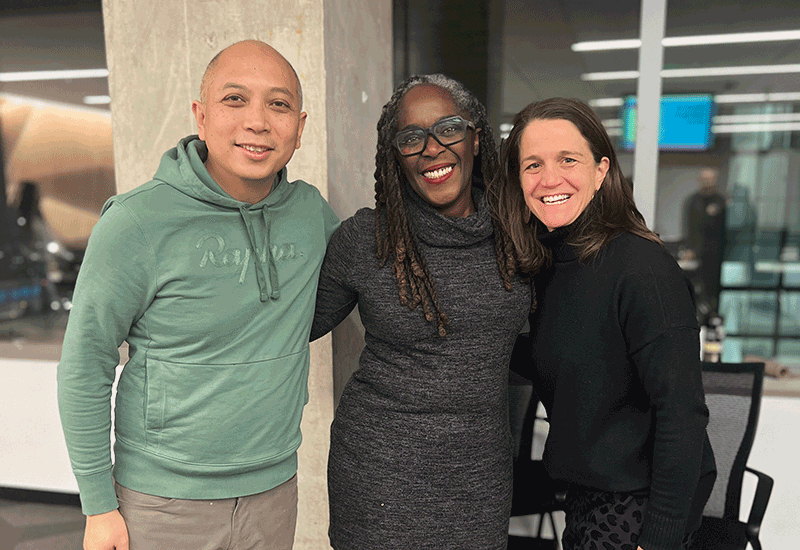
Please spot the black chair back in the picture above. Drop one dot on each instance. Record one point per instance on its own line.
(733, 396)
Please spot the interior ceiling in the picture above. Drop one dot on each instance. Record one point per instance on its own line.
(538, 61)
(47, 40)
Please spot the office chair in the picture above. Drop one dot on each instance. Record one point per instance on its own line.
(534, 492)
(733, 396)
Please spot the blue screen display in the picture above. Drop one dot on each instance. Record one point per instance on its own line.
(685, 123)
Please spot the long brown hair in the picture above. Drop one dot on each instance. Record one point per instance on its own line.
(393, 233)
(611, 211)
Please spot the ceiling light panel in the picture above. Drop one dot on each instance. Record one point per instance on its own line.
(699, 40)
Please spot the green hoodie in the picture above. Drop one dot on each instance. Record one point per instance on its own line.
(215, 298)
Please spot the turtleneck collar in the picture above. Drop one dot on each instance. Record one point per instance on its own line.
(557, 242)
(435, 229)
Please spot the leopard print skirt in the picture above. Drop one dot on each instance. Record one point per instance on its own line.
(601, 520)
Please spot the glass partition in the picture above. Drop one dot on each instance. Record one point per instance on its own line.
(728, 199)
(57, 169)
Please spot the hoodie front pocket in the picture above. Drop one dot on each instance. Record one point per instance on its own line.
(244, 413)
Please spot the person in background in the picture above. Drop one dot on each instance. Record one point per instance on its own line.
(704, 221)
(209, 272)
(420, 451)
(615, 353)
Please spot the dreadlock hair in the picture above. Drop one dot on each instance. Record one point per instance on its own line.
(393, 233)
(610, 212)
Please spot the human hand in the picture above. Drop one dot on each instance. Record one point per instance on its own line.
(106, 532)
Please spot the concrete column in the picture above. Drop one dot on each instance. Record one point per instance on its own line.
(157, 51)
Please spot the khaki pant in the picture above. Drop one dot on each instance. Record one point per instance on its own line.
(264, 521)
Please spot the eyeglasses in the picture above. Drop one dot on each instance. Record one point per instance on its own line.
(448, 131)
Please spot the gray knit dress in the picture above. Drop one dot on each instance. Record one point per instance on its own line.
(420, 448)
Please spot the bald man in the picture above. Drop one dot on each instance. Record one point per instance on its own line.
(209, 272)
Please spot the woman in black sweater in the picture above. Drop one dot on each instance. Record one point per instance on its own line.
(615, 340)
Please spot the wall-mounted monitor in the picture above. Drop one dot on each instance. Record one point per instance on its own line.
(685, 123)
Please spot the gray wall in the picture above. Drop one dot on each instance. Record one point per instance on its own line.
(358, 36)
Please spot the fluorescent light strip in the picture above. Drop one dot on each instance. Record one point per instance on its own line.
(604, 45)
(37, 102)
(701, 72)
(699, 40)
(731, 71)
(614, 75)
(732, 129)
(745, 128)
(97, 100)
(30, 76)
(607, 102)
(732, 119)
(614, 129)
(757, 118)
(756, 98)
(733, 38)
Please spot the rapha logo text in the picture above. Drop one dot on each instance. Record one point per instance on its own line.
(217, 255)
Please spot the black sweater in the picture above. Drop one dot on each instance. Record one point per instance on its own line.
(616, 351)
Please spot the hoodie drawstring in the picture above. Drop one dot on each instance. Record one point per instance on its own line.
(266, 290)
(275, 290)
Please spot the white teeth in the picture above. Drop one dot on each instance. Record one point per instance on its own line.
(254, 149)
(554, 199)
(440, 173)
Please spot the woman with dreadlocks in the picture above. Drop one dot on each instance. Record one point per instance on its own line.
(420, 447)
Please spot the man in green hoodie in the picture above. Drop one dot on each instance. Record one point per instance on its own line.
(209, 272)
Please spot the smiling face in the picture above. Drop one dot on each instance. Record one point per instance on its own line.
(249, 118)
(557, 171)
(440, 175)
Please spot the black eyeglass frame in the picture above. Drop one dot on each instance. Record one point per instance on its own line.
(429, 132)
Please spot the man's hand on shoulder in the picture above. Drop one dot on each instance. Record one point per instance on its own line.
(106, 532)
